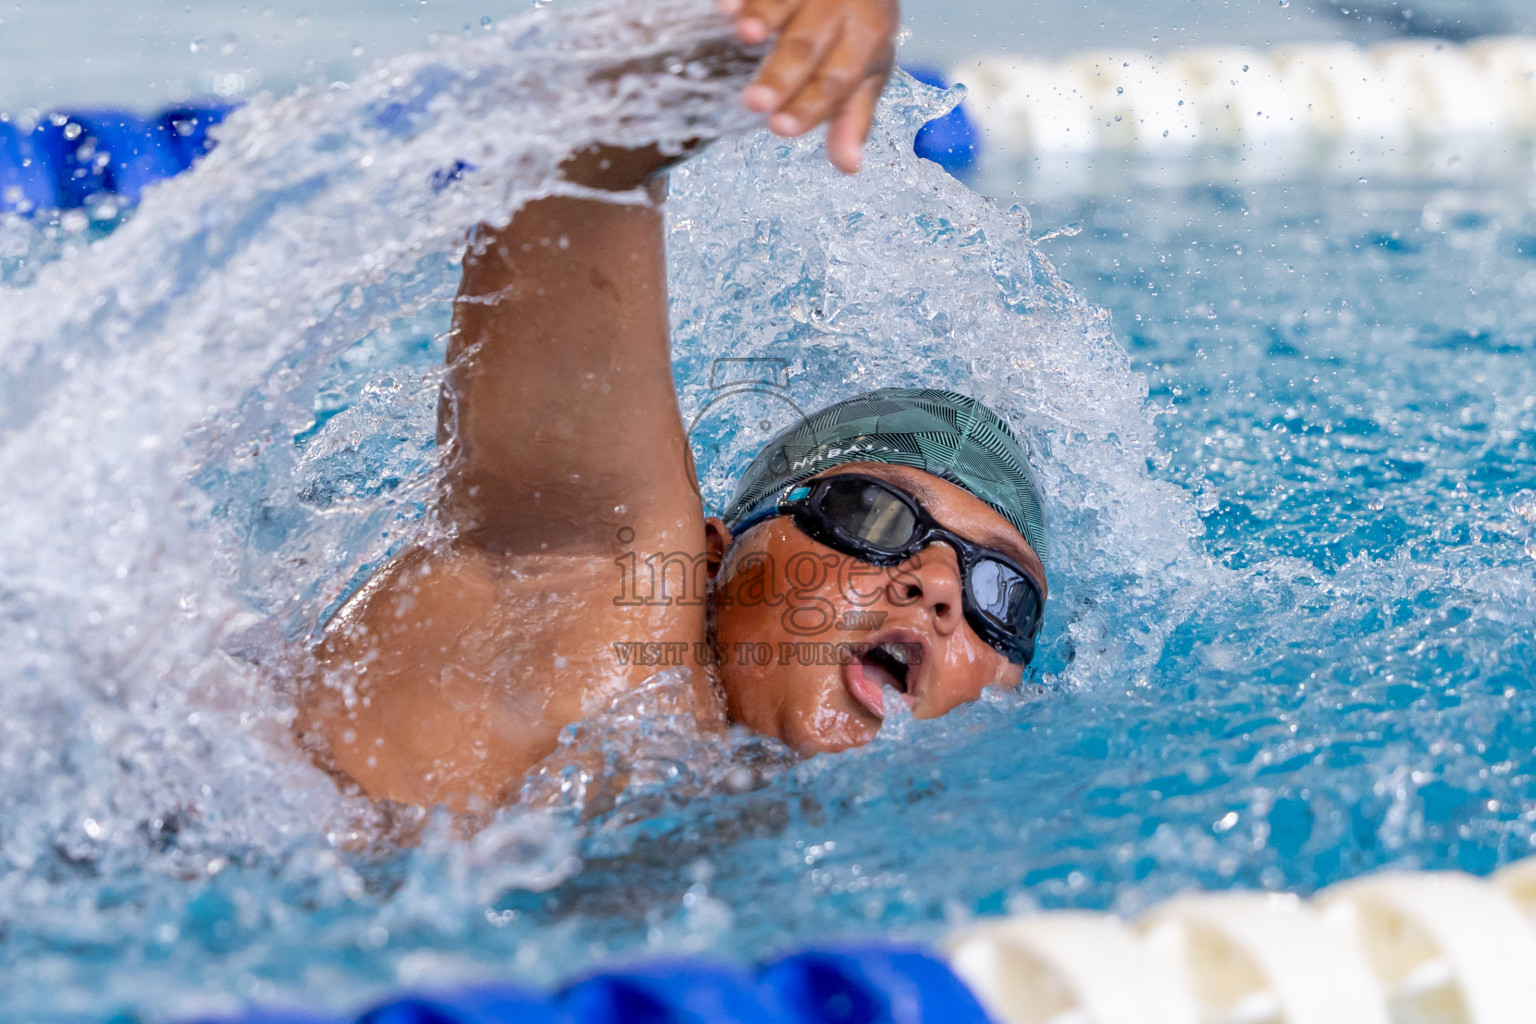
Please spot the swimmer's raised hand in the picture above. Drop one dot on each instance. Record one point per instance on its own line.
(830, 63)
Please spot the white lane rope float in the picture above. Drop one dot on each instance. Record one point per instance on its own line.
(1394, 94)
(1392, 948)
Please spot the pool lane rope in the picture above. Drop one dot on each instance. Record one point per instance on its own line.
(1391, 97)
(1391, 948)
(1394, 94)
(102, 160)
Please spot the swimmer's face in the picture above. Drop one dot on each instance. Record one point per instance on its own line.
(811, 637)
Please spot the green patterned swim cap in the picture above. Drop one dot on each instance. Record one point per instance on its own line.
(951, 436)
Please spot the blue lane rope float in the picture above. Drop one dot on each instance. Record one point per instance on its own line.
(27, 182)
(488, 1004)
(853, 984)
(870, 984)
(72, 159)
(687, 993)
(951, 141)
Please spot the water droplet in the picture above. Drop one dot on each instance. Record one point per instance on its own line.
(196, 46)
(228, 85)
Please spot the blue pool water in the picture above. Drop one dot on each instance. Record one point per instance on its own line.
(1286, 430)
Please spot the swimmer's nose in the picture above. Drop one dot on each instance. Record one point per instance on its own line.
(931, 581)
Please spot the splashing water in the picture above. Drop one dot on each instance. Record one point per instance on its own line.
(153, 547)
(212, 420)
(215, 422)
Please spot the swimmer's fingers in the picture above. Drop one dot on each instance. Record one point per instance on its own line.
(797, 56)
(844, 90)
(831, 57)
(850, 130)
(756, 20)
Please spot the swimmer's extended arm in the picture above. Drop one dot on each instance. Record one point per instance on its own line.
(559, 414)
(453, 670)
(560, 427)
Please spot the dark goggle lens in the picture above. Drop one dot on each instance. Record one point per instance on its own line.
(869, 512)
(1004, 595)
(880, 521)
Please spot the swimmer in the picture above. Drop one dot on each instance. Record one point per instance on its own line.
(888, 546)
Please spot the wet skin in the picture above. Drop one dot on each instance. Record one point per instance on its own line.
(452, 672)
(786, 589)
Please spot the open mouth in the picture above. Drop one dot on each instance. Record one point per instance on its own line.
(890, 663)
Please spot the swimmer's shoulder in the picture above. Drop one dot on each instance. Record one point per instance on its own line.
(448, 646)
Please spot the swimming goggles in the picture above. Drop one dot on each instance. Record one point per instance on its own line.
(877, 522)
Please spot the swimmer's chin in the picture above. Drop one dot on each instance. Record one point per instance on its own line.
(832, 732)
